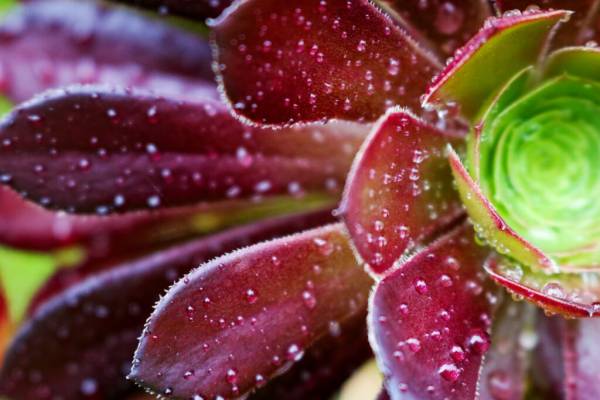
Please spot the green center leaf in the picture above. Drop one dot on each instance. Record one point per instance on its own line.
(538, 165)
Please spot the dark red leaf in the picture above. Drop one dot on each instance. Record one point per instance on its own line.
(430, 320)
(53, 43)
(91, 149)
(275, 298)
(197, 9)
(111, 251)
(317, 60)
(445, 24)
(580, 27)
(399, 191)
(324, 368)
(85, 338)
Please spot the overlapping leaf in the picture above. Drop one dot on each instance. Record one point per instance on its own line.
(581, 26)
(446, 25)
(317, 60)
(81, 343)
(400, 189)
(430, 320)
(277, 298)
(90, 149)
(504, 45)
(53, 43)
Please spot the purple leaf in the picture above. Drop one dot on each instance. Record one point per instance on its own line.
(48, 44)
(252, 312)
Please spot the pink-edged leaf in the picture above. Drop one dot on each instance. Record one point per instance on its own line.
(569, 294)
(430, 318)
(48, 44)
(578, 30)
(196, 9)
(86, 337)
(500, 50)
(581, 359)
(446, 24)
(490, 224)
(92, 149)
(280, 64)
(276, 298)
(399, 191)
(325, 366)
(504, 372)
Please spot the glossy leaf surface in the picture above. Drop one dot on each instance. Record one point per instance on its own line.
(430, 320)
(85, 338)
(569, 294)
(277, 298)
(99, 150)
(318, 60)
(400, 188)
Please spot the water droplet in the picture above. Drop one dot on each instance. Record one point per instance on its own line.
(309, 299)
(554, 289)
(362, 46)
(421, 286)
(478, 342)
(414, 344)
(231, 376)
(251, 296)
(449, 372)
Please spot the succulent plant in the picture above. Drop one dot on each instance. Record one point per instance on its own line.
(336, 192)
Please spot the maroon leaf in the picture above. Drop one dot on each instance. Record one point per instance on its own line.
(83, 340)
(399, 191)
(276, 298)
(504, 372)
(317, 60)
(430, 320)
(578, 30)
(90, 149)
(197, 9)
(53, 43)
(581, 359)
(447, 24)
(114, 250)
(325, 367)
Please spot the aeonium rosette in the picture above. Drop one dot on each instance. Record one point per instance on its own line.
(485, 173)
